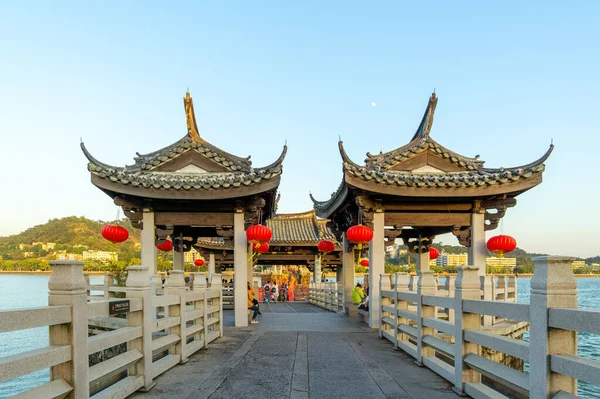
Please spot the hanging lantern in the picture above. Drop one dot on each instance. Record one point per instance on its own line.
(364, 262)
(115, 233)
(262, 247)
(433, 253)
(166, 246)
(501, 244)
(259, 233)
(325, 246)
(360, 235)
(199, 262)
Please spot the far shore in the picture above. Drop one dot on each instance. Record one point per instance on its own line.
(42, 272)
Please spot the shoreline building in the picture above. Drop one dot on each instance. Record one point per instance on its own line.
(494, 264)
(102, 256)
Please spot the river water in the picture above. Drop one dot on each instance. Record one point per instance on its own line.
(26, 290)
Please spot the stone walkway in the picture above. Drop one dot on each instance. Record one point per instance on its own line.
(300, 351)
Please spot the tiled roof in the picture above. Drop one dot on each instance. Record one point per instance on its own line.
(238, 171)
(288, 230)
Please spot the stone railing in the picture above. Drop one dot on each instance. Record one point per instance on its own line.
(328, 296)
(186, 321)
(457, 349)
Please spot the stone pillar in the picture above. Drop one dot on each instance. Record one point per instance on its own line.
(467, 287)
(175, 285)
(68, 288)
(178, 258)
(553, 285)
(477, 250)
(348, 277)
(425, 286)
(138, 286)
(250, 266)
(423, 262)
(317, 271)
(211, 266)
(199, 282)
(376, 267)
(148, 239)
(240, 267)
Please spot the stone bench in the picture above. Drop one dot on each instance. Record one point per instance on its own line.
(362, 316)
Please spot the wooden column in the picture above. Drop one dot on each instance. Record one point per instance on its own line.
(348, 277)
(376, 267)
(317, 271)
(338, 274)
(240, 268)
(477, 250)
(249, 266)
(148, 239)
(178, 254)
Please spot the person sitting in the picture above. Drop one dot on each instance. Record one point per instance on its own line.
(365, 304)
(358, 296)
(253, 305)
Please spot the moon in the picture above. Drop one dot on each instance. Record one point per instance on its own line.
(373, 104)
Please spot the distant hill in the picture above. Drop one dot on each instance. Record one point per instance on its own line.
(71, 234)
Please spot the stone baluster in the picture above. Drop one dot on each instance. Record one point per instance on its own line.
(502, 289)
(67, 287)
(401, 281)
(385, 284)
(138, 286)
(106, 286)
(450, 281)
(553, 285)
(217, 284)
(425, 286)
(199, 281)
(511, 296)
(175, 285)
(468, 286)
(487, 285)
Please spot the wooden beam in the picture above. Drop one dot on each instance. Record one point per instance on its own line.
(427, 207)
(193, 219)
(422, 219)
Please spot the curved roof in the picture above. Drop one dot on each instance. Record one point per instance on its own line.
(423, 167)
(165, 169)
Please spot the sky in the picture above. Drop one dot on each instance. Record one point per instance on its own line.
(511, 78)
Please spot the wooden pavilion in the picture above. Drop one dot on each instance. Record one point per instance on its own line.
(192, 189)
(294, 242)
(418, 191)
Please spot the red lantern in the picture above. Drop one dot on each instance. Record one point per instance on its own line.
(262, 247)
(325, 246)
(364, 262)
(115, 233)
(359, 235)
(501, 244)
(259, 233)
(198, 262)
(433, 253)
(166, 246)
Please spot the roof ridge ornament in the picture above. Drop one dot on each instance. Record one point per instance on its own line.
(424, 128)
(190, 118)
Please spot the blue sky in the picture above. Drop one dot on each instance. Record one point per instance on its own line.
(510, 76)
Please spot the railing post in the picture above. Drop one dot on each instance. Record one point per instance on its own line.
(67, 287)
(384, 284)
(450, 280)
(175, 285)
(553, 285)
(199, 282)
(217, 284)
(138, 286)
(425, 286)
(502, 289)
(400, 285)
(468, 286)
(106, 286)
(487, 285)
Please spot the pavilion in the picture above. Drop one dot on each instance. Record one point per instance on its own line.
(294, 242)
(416, 192)
(192, 189)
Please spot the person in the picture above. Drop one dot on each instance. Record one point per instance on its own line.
(274, 291)
(365, 304)
(267, 297)
(358, 295)
(253, 305)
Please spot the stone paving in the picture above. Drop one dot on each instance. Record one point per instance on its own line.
(300, 351)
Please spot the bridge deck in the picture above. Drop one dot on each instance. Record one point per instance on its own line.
(300, 351)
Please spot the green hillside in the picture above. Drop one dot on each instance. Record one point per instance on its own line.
(71, 234)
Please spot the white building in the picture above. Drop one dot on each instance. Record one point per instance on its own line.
(102, 256)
